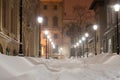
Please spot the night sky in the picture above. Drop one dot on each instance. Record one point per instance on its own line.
(68, 5)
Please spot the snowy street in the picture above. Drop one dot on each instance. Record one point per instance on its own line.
(100, 67)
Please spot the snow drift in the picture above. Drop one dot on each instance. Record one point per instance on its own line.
(100, 67)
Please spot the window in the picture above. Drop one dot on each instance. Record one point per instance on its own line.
(55, 36)
(45, 7)
(55, 7)
(55, 21)
(45, 21)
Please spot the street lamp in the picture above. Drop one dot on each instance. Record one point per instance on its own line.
(61, 49)
(80, 42)
(95, 27)
(40, 20)
(46, 34)
(87, 35)
(53, 46)
(20, 45)
(117, 8)
(48, 38)
(83, 39)
(77, 49)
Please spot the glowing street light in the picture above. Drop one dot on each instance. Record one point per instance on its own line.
(53, 46)
(47, 36)
(40, 20)
(87, 35)
(83, 38)
(80, 41)
(46, 32)
(117, 8)
(77, 44)
(95, 27)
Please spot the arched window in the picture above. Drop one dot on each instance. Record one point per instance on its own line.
(45, 21)
(55, 21)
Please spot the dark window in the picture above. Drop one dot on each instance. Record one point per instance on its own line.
(55, 21)
(45, 7)
(55, 36)
(55, 7)
(45, 22)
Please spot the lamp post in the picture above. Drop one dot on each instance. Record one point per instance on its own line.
(46, 33)
(87, 35)
(20, 45)
(40, 20)
(77, 49)
(48, 38)
(74, 49)
(61, 50)
(117, 8)
(83, 39)
(95, 27)
(80, 42)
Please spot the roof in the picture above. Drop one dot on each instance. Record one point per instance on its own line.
(95, 2)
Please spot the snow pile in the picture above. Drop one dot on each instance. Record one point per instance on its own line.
(12, 66)
(38, 73)
(98, 59)
(100, 67)
(114, 60)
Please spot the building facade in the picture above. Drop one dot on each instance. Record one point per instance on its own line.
(10, 27)
(110, 36)
(30, 27)
(101, 19)
(52, 13)
(106, 19)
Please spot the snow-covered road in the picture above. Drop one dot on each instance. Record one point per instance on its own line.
(100, 67)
